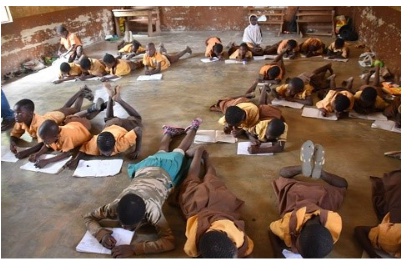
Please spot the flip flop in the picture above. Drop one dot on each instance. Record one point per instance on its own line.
(306, 155)
(319, 157)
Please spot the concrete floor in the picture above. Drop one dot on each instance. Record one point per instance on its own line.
(41, 213)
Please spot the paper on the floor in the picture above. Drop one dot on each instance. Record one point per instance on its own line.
(213, 136)
(291, 255)
(337, 59)
(388, 125)
(287, 103)
(89, 244)
(372, 116)
(243, 146)
(302, 55)
(233, 61)
(98, 168)
(313, 112)
(52, 168)
(208, 60)
(152, 77)
(380, 253)
(8, 156)
(264, 57)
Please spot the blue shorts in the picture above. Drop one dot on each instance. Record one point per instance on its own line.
(171, 162)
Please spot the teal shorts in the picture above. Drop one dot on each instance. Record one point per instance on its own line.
(171, 162)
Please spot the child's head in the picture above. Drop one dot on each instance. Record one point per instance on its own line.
(135, 45)
(218, 49)
(216, 244)
(85, 64)
(49, 132)
(64, 68)
(131, 211)
(243, 48)
(275, 129)
(109, 60)
(234, 115)
(314, 241)
(273, 72)
(295, 86)
(291, 44)
(61, 31)
(150, 49)
(253, 19)
(341, 103)
(106, 143)
(23, 111)
(368, 96)
(339, 43)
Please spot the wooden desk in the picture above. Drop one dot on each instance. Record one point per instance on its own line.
(149, 15)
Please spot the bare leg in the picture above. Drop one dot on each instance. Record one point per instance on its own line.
(332, 81)
(128, 108)
(210, 169)
(189, 137)
(176, 57)
(323, 69)
(165, 142)
(290, 171)
(377, 76)
(272, 49)
(195, 167)
(77, 100)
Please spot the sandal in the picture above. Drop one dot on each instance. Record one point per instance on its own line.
(319, 157)
(306, 156)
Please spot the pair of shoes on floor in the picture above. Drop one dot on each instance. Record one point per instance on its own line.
(175, 131)
(313, 158)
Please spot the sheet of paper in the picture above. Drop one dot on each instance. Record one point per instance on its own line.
(313, 112)
(89, 244)
(302, 55)
(7, 155)
(208, 60)
(287, 103)
(152, 77)
(337, 59)
(264, 57)
(223, 137)
(388, 125)
(291, 255)
(98, 168)
(52, 168)
(372, 116)
(242, 148)
(232, 61)
(205, 136)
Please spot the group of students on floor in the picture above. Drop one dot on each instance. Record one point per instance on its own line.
(309, 223)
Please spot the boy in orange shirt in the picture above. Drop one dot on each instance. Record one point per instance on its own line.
(71, 42)
(91, 67)
(119, 67)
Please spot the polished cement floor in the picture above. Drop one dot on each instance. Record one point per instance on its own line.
(41, 213)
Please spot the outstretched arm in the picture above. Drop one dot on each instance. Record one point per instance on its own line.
(361, 234)
(277, 245)
(276, 147)
(44, 162)
(138, 142)
(29, 151)
(73, 163)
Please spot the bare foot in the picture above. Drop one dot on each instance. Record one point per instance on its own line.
(117, 94)
(188, 49)
(109, 89)
(162, 48)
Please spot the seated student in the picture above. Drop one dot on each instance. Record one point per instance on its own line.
(384, 238)
(242, 53)
(119, 67)
(155, 62)
(338, 101)
(29, 121)
(119, 135)
(214, 48)
(130, 49)
(289, 46)
(7, 114)
(271, 127)
(271, 73)
(299, 89)
(91, 67)
(141, 202)
(369, 98)
(252, 35)
(65, 138)
(312, 47)
(214, 228)
(337, 49)
(68, 71)
(71, 42)
(309, 223)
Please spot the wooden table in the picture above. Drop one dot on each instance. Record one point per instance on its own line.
(147, 15)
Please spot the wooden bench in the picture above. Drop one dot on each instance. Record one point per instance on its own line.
(145, 15)
(274, 16)
(316, 20)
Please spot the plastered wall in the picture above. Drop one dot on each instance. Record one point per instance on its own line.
(31, 34)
